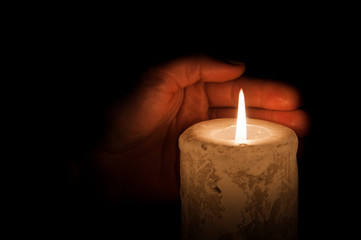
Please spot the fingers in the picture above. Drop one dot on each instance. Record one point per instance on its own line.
(298, 120)
(186, 71)
(259, 93)
(222, 113)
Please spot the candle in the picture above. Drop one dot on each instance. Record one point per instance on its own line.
(238, 188)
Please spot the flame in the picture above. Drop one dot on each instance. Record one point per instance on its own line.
(241, 128)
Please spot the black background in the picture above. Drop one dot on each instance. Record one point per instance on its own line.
(81, 66)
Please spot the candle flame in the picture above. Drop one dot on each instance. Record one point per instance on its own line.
(241, 128)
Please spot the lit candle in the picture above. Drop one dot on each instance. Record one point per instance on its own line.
(240, 185)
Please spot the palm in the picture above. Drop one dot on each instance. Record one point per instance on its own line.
(157, 162)
(193, 108)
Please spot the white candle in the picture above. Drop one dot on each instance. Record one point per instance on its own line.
(244, 189)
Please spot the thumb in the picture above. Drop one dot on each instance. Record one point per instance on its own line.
(186, 71)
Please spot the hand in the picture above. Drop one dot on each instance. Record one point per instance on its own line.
(139, 157)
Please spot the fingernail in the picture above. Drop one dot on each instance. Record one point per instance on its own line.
(234, 62)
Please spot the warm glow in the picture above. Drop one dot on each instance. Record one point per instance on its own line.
(241, 129)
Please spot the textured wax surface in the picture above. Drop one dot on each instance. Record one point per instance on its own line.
(238, 191)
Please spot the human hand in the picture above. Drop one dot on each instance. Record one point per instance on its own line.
(138, 158)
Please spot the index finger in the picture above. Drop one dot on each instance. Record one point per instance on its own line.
(184, 72)
(259, 93)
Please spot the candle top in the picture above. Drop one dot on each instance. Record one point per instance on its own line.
(222, 131)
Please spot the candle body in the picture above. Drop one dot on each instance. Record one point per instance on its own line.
(246, 190)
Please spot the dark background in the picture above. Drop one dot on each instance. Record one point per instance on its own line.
(85, 65)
